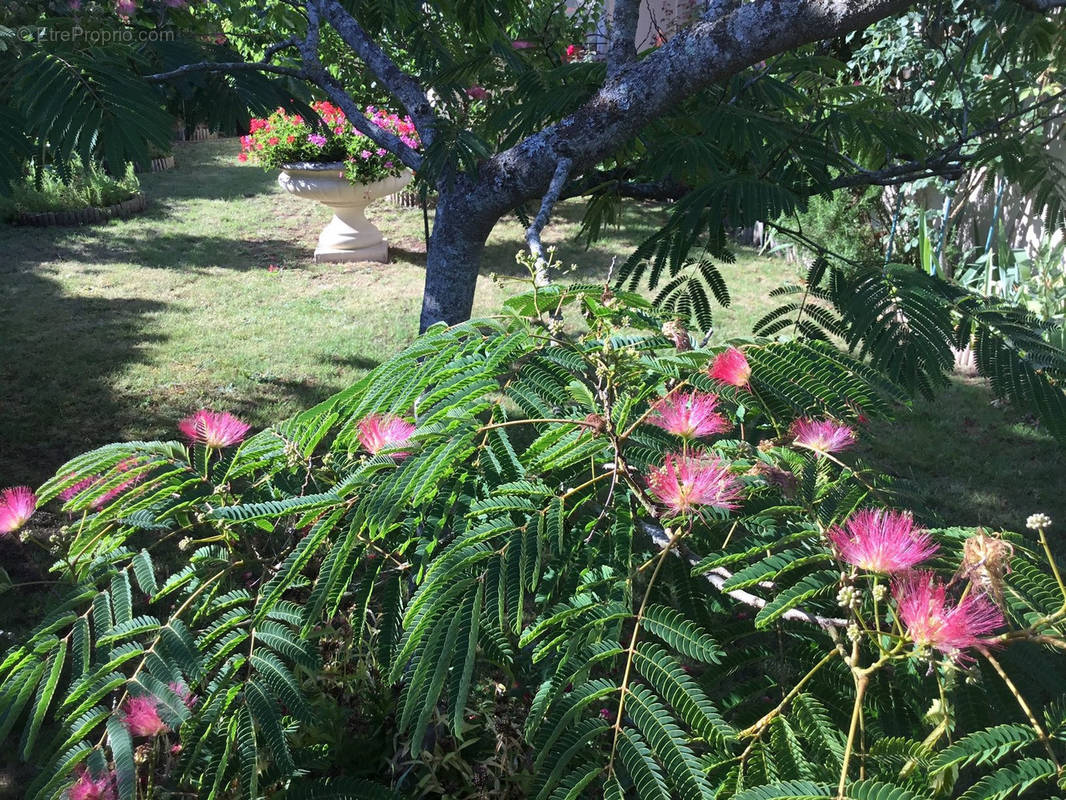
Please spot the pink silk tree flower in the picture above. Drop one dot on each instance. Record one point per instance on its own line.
(730, 366)
(125, 8)
(182, 691)
(822, 435)
(214, 429)
(141, 717)
(683, 482)
(385, 431)
(71, 492)
(690, 415)
(86, 787)
(932, 623)
(881, 541)
(122, 487)
(17, 505)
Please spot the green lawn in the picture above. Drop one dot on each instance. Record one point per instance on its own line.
(119, 331)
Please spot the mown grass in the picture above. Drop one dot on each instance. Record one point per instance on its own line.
(117, 332)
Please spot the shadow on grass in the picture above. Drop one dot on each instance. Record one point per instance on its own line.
(151, 247)
(58, 357)
(974, 462)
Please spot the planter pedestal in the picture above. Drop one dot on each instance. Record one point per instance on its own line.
(349, 236)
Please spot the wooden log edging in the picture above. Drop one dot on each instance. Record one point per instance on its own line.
(161, 164)
(84, 216)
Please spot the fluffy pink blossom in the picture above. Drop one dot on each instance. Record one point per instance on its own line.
(123, 486)
(689, 415)
(71, 492)
(385, 431)
(85, 787)
(822, 435)
(730, 366)
(213, 428)
(141, 717)
(17, 505)
(881, 541)
(125, 8)
(932, 623)
(683, 482)
(183, 691)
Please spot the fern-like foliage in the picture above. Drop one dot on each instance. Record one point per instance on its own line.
(507, 598)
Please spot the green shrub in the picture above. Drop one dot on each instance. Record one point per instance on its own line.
(84, 186)
(846, 223)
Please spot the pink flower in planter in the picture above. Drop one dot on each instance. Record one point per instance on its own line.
(385, 431)
(86, 787)
(730, 366)
(689, 415)
(881, 541)
(317, 139)
(822, 435)
(141, 717)
(17, 505)
(932, 623)
(683, 482)
(214, 429)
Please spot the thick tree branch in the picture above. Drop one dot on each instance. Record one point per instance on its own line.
(709, 51)
(716, 9)
(405, 88)
(622, 47)
(316, 73)
(562, 172)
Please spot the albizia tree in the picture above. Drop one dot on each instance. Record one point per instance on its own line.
(520, 562)
(742, 114)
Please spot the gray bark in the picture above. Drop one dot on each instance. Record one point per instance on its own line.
(709, 51)
(461, 225)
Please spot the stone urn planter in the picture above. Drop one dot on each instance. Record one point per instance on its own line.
(349, 236)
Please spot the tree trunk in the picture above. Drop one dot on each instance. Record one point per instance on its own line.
(460, 228)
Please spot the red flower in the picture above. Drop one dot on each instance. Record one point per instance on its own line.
(730, 366)
(273, 140)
